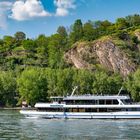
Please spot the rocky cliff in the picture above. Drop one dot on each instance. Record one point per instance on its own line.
(106, 53)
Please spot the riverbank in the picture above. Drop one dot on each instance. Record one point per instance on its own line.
(16, 108)
(10, 108)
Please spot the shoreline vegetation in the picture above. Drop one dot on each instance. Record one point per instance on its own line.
(31, 70)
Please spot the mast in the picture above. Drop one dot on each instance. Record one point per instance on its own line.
(120, 91)
(73, 90)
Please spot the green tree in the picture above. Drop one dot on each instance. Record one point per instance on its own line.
(59, 81)
(121, 24)
(30, 49)
(133, 20)
(8, 43)
(7, 88)
(64, 81)
(29, 45)
(42, 50)
(20, 36)
(89, 31)
(102, 27)
(62, 31)
(56, 51)
(64, 37)
(32, 86)
(83, 79)
(105, 27)
(105, 84)
(52, 81)
(77, 31)
(132, 84)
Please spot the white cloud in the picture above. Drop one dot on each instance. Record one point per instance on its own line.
(63, 6)
(61, 12)
(25, 10)
(4, 7)
(21, 10)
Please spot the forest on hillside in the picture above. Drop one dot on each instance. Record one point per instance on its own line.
(33, 69)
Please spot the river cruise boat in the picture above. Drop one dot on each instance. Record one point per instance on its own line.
(86, 107)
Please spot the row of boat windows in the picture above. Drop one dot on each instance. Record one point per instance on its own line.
(92, 102)
(87, 109)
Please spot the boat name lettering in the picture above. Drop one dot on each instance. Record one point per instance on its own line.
(56, 105)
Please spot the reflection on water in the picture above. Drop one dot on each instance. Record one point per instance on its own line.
(14, 126)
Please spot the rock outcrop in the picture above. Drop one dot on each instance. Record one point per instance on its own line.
(104, 52)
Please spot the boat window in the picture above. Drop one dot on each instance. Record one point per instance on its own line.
(114, 109)
(137, 109)
(82, 110)
(115, 102)
(133, 109)
(127, 101)
(108, 102)
(111, 102)
(80, 102)
(74, 110)
(102, 110)
(96, 102)
(101, 102)
(91, 110)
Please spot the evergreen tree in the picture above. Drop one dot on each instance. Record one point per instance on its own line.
(19, 36)
(77, 31)
(62, 31)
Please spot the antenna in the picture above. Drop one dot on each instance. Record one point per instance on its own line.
(74, 90)
(120, 91)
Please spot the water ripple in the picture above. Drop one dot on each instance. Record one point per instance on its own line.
(13, 126)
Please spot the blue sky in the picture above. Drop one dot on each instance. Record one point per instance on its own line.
(36, 17)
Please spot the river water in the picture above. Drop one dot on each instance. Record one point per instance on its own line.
(14, 126)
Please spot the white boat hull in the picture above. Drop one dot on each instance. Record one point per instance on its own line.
(72, 115)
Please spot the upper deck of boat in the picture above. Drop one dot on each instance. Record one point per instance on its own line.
(92, 97)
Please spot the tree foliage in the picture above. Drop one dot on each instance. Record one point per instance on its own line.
(133, 85)
(19, 36)
(77, 31)
(38, 66)
(7, 88)
(105, 84)
(32, 86)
